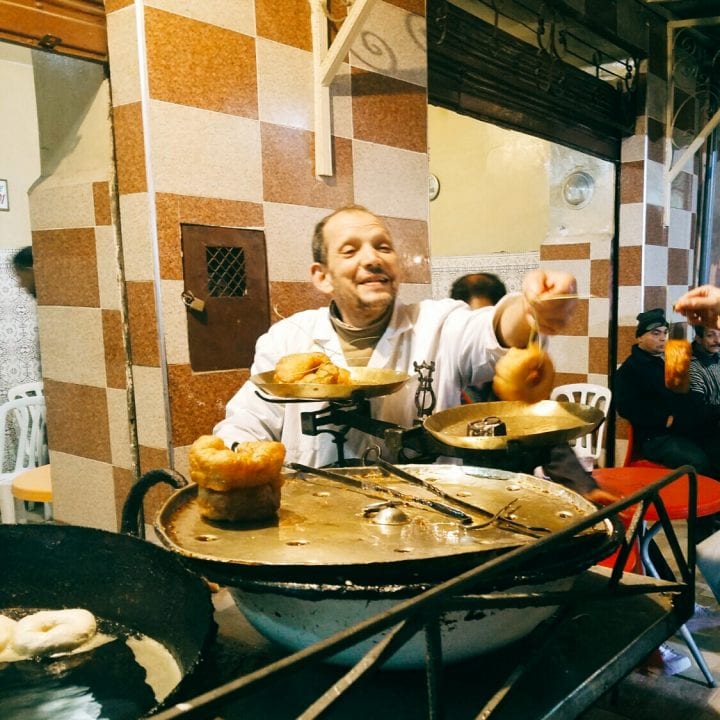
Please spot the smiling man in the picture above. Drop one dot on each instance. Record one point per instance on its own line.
(356, 265)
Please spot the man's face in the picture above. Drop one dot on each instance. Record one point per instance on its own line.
(653, 341)
(362, 268)
(710, 341)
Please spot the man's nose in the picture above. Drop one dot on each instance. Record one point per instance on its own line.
(369, 255)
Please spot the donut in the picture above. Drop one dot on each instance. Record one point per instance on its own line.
(260, 502)
(525, 374)
(52, 631)
(314, 367)
(215, 466)
(7, 631)
(677, 365)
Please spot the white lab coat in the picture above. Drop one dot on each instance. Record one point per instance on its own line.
(460, 341)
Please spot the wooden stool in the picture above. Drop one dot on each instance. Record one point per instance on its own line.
(34, 486)
(625, 481)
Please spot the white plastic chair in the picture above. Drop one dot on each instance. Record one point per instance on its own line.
(29, 389)
(588, 447)
(26, 415)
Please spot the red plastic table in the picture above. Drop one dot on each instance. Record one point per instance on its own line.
(624, 481)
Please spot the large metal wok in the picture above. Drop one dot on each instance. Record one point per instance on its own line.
(327, 561)
(122, 580)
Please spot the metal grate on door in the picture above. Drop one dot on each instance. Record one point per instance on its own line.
(226, 272)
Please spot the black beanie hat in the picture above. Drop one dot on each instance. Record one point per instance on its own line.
(650, 320)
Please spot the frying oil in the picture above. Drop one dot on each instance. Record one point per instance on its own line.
(117, 675)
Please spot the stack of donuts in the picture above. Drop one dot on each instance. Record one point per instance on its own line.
(237, 485)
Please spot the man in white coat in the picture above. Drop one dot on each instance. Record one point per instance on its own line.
(356, 264)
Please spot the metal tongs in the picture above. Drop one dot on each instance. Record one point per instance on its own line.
(368, 486)
(498, 518)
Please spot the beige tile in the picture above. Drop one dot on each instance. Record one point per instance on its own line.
(72, 345)
(285, 84)
(123, 53)
(223, 152)
(136, 238)
(632, 224)
(598, 316)
(400, 190)
(62, 206)
(150, 406)
(201, 65)
(238, 15)
(175, 321)
(119, 421)
(415, 292)
(392, 42)
(288, 234)
(569, 354)
(108, 270)
(83, 492)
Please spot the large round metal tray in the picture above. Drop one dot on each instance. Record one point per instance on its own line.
(323, 535)
(370, 382)
(540, 424)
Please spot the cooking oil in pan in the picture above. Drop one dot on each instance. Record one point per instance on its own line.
(119, 675)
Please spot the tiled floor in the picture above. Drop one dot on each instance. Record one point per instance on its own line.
(686, 696)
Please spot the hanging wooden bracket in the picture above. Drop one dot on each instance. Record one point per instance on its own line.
(326, 61)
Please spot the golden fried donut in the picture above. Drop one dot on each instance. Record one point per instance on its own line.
(51, 631)
(293, 368)
(7, 631)
(314, 367)
(525, 374)
(677, 365)
(215, 466)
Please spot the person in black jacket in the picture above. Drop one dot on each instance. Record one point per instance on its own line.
(670, 428)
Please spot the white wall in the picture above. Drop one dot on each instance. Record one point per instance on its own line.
(19, 145)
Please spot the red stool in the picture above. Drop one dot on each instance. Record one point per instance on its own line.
(627, 480)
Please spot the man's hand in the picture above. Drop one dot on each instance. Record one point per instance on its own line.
(536, 310)
(701, 306)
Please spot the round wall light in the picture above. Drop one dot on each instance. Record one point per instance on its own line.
(433, 186)
(577, 189)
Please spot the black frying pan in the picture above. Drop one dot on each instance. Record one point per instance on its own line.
(117, 577)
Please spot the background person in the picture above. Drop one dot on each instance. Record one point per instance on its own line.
(23, 266)
(667, 426)
(705, 370)
(355, 264)
(478, 289)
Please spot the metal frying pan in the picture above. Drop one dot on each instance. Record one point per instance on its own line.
(371, 382)
(540, 424)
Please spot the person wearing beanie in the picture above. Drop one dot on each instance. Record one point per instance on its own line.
(669, 428)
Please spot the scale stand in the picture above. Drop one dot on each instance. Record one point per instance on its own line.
(342, 415)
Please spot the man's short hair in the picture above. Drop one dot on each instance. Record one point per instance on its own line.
(319, 246)
(23, 258)
(473, 285)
